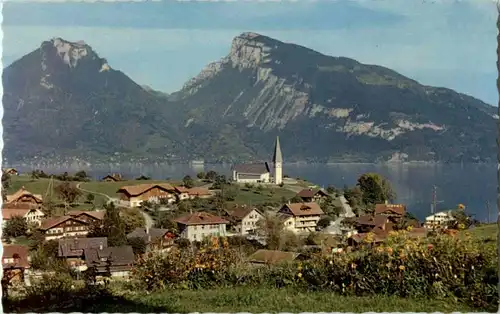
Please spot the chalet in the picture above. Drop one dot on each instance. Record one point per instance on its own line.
(87, 216)
(110, 261)
(153, 236)
(368, 223)
(15, 262)
(115, 177)
(244, 219)
(63, 227)
(360, 239)
(11, 171)
(198, 192)
(395, 212)
(33, 215)
(312, 195)
(24, 196)
(272, 257)
(252, 173)
(181, 192)
(305, 216)
(439, 220)
(197, 226)
(134, 195)
(72, 250)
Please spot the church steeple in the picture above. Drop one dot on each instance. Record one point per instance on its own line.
(277, 158)
(278, 162)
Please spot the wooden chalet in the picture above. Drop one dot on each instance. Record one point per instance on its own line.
(72, 250)
(134, 195)
(312, 195)
(110, 261)
(24, 196)
(115, 177)
(64, 227)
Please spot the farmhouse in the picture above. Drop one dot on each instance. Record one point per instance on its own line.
(63, 227)
(153, 236)
(439, 220)
(312, 195)
(197, 226)
(11, 171)
(305, 216)
(395, 212)
(115, 261)
(134, 195)
(72, 250)
(24, 196)
(15, 262)
(244, 219)
(87, 216)
(115, 177)
(33, 216)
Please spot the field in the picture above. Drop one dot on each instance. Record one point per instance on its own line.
(254, 196)
(240, 299)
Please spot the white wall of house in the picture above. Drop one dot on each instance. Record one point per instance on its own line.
(34, 217)
(199, 232)
(249, 222)
(441, 219)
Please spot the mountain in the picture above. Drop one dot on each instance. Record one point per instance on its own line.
(63, 100)
(332, 108)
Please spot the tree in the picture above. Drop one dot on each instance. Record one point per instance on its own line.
(165, 221)
(68, 192)
(210, 176)
(218, 182)
(188, 181)
(113, 226)
(296, 199)
(230, 192)
(15, 227)
(331, 189)
(132, 218)
(270, 227)
(81, 176)
(138, 245)
(330, 208)
(201, 175)
(324, 222)
(90, 198)
(375, 189)
(5, 185)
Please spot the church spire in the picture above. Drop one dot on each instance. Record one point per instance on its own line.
(278, 157)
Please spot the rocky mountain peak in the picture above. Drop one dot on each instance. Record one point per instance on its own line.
(249, 50)
(71, 54)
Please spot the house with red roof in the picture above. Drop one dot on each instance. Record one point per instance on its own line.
(64, 227)
(32, 215)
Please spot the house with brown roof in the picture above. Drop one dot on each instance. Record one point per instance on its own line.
(32, 215)
(153, 237)
(24, 196)
(273, 257)
(15, 262)
(115, 177)
(244, 219)
(197, 226)
(72, 250)
(395, 212)
(11, 171)
(368, 223)
(312, 195)
(110, 261)
(134, 195)
(184, 193)
(305, 216)
(88, 216)
(63, 227)
(252, 173)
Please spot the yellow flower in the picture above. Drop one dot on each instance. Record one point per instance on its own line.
(299, 267)
(409, 228)
(401, 267)
(299, 275)
(353, 266)
(461, 226)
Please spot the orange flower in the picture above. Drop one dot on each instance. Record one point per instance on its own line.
(401, 267)
(389, 250)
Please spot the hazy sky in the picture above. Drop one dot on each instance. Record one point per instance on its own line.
(447, 43)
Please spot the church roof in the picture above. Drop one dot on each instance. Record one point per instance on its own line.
(278, 157)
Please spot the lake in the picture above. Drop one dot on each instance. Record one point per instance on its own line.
(473, 185)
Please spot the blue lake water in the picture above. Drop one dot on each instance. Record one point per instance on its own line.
(473, 185)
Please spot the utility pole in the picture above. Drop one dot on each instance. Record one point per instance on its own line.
(433, 206)
(488, 208)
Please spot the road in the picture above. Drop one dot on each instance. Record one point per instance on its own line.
(147, 218)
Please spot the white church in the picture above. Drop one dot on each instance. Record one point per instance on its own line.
(261, 172)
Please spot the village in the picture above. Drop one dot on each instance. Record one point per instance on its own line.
(305, 215)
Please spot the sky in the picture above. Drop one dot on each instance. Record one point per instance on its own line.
(446, 43)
